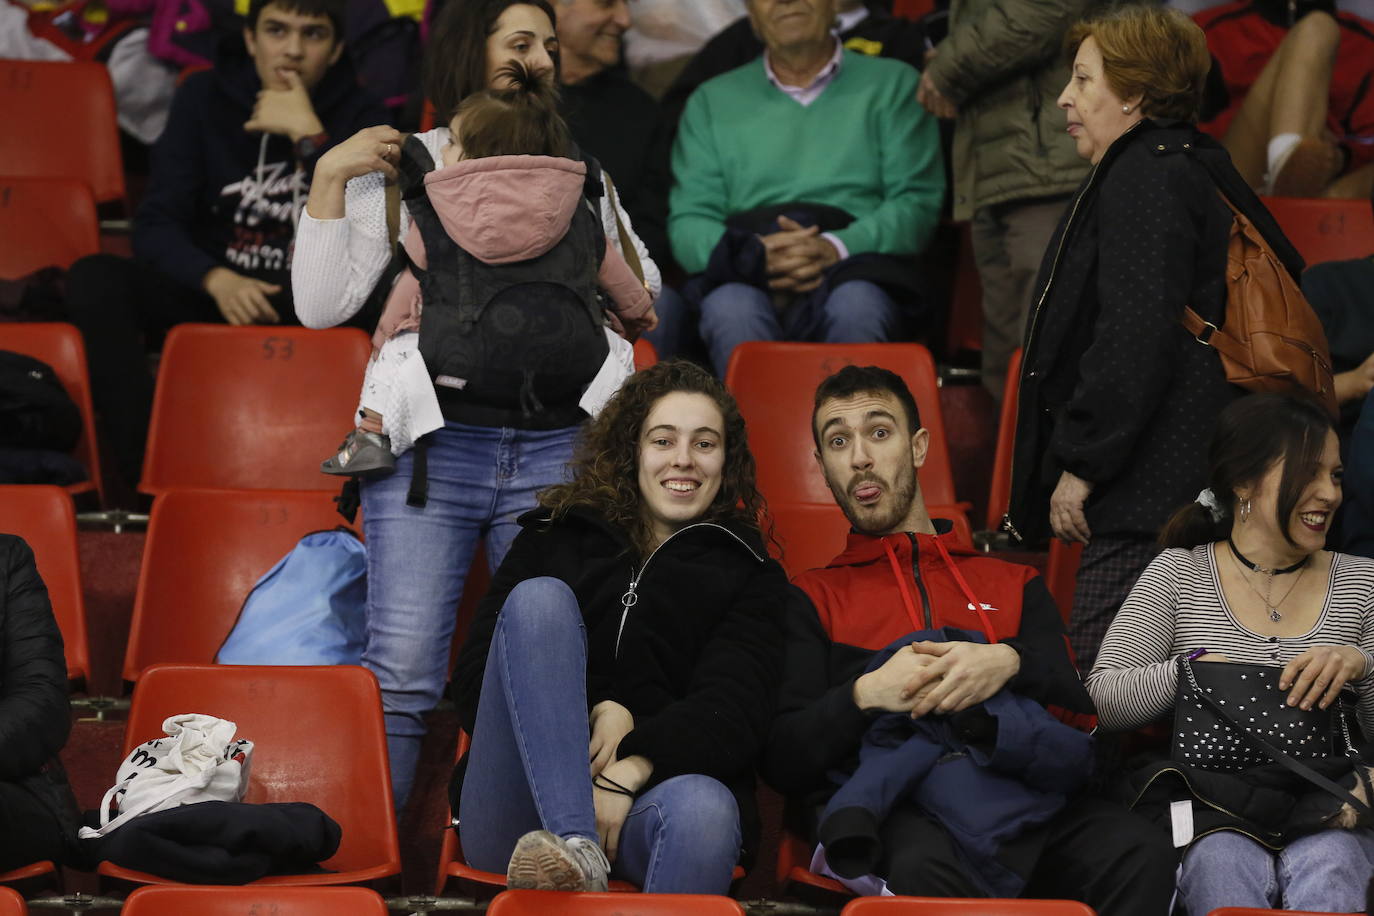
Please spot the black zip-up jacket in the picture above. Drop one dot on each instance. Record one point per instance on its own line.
(216, 196)
(35, 719)
(1113, 389)
(697, 659)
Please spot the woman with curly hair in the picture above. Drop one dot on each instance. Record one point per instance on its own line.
(618, 679)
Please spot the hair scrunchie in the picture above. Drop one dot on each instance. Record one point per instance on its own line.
(1208, 500)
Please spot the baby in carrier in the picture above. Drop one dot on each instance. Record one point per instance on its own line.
(504, 194)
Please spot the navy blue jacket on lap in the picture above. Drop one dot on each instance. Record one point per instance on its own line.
(987, 774)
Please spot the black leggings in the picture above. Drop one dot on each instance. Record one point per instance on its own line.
(1116, 862)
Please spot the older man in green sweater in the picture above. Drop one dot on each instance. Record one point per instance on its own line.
(808, 138)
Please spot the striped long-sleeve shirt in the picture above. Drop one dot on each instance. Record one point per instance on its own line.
(1177, 606)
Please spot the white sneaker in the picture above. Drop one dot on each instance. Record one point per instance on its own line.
(543, 861)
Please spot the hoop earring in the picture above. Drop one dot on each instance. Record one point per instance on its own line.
(1245, 510)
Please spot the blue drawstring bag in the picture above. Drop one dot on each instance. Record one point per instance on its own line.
(309, 609)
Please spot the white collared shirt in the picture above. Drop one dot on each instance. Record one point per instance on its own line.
(805, 95)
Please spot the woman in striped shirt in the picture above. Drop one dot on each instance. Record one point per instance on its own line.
(1245, 579)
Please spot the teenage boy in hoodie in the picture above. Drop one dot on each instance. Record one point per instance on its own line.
(213, 237)
(900, 573)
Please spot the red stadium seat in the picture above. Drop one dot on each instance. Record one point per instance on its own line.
(810, 536)
(1061, 574)
(775, 385)
(204, 552)
(252, 408)
(319, 738)
(60, 346)
(57, 120)
(1325, 229)
(176, 900)
(793, 871)
(12, 903)
(540, 903)
(953, 906)
(44, 517)
(645, 354)
(999, 492)
(45, 222)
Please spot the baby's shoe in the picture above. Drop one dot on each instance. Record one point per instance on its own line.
(362, 454)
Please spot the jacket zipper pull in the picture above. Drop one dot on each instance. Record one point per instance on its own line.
(627, 601)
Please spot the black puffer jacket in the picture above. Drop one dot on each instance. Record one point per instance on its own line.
(698, 660)
(34, 716)
(1113, 389)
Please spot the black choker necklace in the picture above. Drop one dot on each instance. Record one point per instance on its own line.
(1264, 569)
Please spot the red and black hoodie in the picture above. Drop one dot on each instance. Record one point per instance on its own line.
(877, 590)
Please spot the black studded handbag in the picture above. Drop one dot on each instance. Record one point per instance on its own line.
(1224, 707)
(1230, 717)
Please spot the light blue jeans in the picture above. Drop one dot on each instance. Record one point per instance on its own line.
(1326, 872)
(527, 768)
(480, 481)
(854, 312)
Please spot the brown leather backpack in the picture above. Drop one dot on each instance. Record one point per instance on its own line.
(1270, 338)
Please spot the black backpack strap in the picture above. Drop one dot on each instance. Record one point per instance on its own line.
(418, 495)
(592, 188)
(414, 164)
(349, 499)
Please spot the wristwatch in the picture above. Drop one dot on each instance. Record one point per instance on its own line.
(311, 145)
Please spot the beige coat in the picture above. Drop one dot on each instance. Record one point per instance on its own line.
(1002, 64)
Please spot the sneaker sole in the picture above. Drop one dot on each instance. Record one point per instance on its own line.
(541, 862)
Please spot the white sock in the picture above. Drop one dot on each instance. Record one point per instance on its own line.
(1279, 148)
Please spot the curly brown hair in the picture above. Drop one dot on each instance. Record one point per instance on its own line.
(606, 463)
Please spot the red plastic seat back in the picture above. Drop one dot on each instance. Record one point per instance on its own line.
(775, 385)
(238, 901)
(645, 354)
(999, 491)
(1325, 229)
(60, 346)
(252, 408)
(1061, 574)
(45, 222)
(57, 120)
(953, 906)
(43, 516)
(541, 903)
(12, 903)
(813, 535)
(318, 737)
(204, 552)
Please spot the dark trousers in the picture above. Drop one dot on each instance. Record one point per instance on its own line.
(124, 308)
(29, 831)
(1094, 851)
(1107, 573)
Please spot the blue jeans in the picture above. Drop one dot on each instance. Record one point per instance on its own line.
(854, 312)
(480, 480)
(1326, 872)
(674, 330)
(527, 768)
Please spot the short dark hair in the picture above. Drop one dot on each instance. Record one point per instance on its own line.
(335, 10)
(852, 380)
(455, 62)
(520, 120)
(1152, 51)
(1253, 434)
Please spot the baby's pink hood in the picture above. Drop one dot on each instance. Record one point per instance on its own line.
(503, 209)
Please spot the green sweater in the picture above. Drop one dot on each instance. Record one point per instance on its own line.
(864, 146)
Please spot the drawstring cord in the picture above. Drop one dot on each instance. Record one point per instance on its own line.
(899, 572)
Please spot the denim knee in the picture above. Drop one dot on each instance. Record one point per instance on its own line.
(702, 808)
(538, 607)
(1327, 871)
